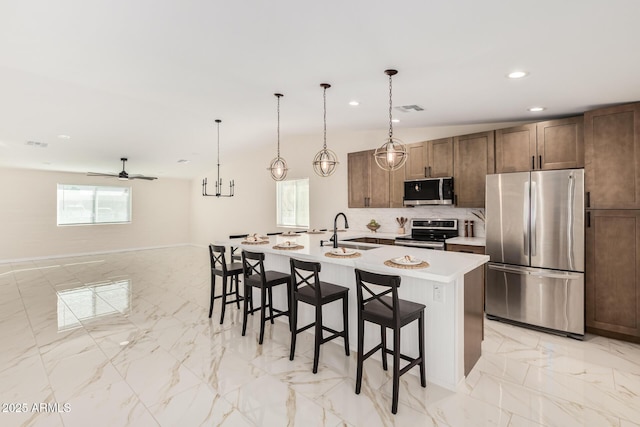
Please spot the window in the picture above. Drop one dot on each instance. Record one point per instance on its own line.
(293, 203)
(91, 204)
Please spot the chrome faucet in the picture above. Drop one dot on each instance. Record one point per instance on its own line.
(335, 228)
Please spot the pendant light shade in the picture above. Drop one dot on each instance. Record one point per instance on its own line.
(325, 161)
(392, 155)
(278, 166)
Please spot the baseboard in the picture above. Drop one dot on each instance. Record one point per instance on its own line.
(16, 260)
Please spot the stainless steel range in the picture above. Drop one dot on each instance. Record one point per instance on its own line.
(429, 233)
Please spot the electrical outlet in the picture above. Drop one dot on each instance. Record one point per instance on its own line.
(437, 294)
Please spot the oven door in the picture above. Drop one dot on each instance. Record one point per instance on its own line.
(438, 246)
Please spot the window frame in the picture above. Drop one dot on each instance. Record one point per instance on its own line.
(279, 222)
(95, 200)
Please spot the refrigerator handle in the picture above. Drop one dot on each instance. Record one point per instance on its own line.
(533, 236)
(570, 212)
(525, 219)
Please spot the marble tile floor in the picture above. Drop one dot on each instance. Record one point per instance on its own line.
(124, 340)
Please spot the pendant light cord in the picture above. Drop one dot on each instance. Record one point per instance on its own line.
(390, 106)
(218, 146)
(278, 96)
(324, 98)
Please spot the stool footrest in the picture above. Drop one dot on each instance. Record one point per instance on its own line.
(304, 328)
(372, 351)
(330, 337)
(414, 362)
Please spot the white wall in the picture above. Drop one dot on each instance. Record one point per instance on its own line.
(160, 216)
(252, 210)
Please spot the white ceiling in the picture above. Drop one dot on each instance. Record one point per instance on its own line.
(146, 78)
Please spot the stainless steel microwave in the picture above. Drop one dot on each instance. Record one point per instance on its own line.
(430, 191)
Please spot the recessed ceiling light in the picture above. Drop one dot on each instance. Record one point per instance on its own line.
(354, 103)
(395, 120)
(63, 136)
(517, 74)
(536, 109)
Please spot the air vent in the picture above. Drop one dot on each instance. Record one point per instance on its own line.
(37, 144)
(183, 161)
(409, 108)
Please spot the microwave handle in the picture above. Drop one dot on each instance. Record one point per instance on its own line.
(440, 189)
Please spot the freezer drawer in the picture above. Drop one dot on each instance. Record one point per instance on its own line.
(546, 298)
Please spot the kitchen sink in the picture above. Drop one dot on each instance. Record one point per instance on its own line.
(354, 246)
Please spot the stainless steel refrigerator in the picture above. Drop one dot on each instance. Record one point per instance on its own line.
(535, 240)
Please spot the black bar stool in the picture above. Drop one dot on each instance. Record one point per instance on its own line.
(309, 289)
(234, 256)
(256, 277)
(219, 267)
(388, 312)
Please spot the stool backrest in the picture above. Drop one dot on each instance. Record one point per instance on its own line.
(216, 256)
(305, 273)
(253, 263)
(373, 287)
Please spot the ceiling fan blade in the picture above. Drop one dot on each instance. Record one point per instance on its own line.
(148, 178)
(101, 174)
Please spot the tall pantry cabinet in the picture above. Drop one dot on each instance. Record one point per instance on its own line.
(612, 184)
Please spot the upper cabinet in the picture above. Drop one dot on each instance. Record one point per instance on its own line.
(612, 157)
(368, 184)
(473, 160)
(430, 159)
(396, 187)
(554, 144)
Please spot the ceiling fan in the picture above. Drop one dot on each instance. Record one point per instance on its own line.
(124, 176)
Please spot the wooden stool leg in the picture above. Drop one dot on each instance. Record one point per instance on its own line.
(360, 354)
(237, 290)
(271, 304)
(423, 377)
(318, 338)
(396, 369)
(293, 321)
(345, 321)
(247, 300)
(383, 340)
(225, 280)
(213, 293)
(263, 297)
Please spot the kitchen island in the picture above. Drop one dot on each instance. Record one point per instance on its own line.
(451, 287)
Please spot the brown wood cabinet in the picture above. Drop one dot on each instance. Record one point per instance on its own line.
(373, 240)
(613, 273)
(612, 157)
(430, 159)
(396, 187)
(368, 184)
(470, 249)
(473, 159)
(554, 144)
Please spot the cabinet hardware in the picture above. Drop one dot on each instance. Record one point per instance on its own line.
(540, 162)
(455, 199)
(425, 172)
(588, 199)
(533, 162)
(429, 171)
(588, 219)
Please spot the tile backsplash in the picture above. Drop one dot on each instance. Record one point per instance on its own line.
(359, 218)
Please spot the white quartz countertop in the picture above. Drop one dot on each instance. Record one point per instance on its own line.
(443, 266)
(471, 241)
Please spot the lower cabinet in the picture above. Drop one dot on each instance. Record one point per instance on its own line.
(465, 248)
(373, 240)
(612, 273)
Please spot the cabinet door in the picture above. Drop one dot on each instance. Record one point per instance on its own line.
(560, 144)
(378, 184)
(613, 271)
(516, 149)
(396, 187)
(612, 157)
(358, 178)
(473, 160)
(465, 248)
(416, 166)
(440, 158)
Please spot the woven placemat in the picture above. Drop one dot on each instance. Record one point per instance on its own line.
(289, 235)
(288, 248)
(355, 255)
(423, 264)
(261, 242)
(316, 232)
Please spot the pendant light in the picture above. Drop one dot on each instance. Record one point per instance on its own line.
(218, 180)
(278, 166)
(324, 163)
(392, 155)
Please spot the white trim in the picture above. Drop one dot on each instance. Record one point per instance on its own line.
(6, 261)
